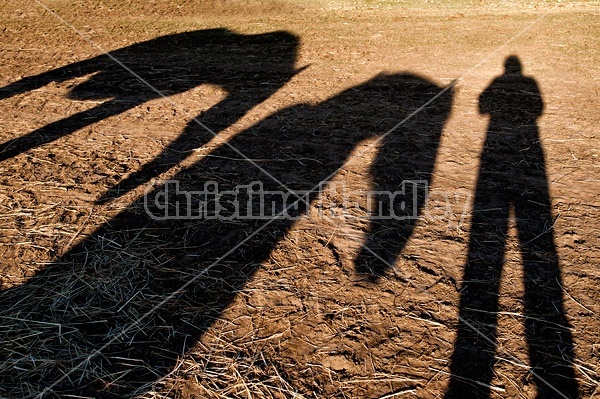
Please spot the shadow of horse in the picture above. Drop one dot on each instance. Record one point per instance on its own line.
(114, 314)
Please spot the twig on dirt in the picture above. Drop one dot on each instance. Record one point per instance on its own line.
(398, 393)
(573, 299)
(492, 387)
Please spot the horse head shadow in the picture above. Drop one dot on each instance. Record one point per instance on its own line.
(401, 175)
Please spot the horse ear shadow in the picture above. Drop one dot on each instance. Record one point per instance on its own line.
(302, 69)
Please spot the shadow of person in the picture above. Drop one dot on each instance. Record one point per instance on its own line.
(250, 68)
(512, 177)
(143, 289)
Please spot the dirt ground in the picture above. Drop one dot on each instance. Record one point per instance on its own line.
(100, 300)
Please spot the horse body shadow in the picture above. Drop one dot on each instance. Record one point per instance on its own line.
(250, 68)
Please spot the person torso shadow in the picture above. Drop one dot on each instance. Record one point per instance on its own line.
(512, 177)
(144, 288)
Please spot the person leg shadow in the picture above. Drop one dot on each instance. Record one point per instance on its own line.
(512, 176)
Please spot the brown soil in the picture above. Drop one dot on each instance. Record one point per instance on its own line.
(100, 300)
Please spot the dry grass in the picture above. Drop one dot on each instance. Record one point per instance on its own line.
(300, 323)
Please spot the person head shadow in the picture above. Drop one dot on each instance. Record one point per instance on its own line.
(249, 68)
(512, 181)
(146, 286)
